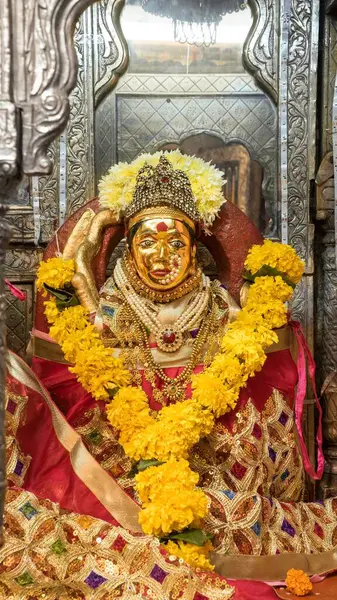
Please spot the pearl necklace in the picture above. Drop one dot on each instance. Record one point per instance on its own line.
(169, 338)
(174, 389)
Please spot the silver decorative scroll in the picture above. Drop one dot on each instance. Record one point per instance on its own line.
(44, 74)
(260, 54)
(111, 59)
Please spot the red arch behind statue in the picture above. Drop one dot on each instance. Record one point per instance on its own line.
(232, 236)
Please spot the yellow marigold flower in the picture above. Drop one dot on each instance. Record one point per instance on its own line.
(274, 314)
(69, 321)
(247, 347)
(298, 582)
(55, 272)
(195, 556)
(176, 473)
(176, 430)
(227, 367)
(278, 256)
(97, 371)
(251, 320)
(267, 289)
(51, 310)
(174, 510)
(210, 390)
(129, 401)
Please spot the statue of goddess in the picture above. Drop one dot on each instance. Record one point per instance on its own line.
(159, 414)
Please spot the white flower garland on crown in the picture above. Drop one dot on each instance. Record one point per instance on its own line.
(117, 187)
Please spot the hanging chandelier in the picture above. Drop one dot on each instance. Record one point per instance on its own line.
(195, 22)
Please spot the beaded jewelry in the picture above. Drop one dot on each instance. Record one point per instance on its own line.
(168, 338)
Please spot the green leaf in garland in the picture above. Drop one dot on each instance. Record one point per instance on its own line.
(145, 464)
(265, 271)
(198, 537)
(248, 276)
(133, 472)
(142, 465)
(64, 298)
(112, 391)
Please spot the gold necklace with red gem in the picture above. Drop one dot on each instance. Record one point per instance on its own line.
(169, 338)
(174, 389)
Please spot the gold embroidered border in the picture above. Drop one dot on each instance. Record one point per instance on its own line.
(42, 348)
(97, 480)
(273, 568)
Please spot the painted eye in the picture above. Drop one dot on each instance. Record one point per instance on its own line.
(177, 244)
(146, 243)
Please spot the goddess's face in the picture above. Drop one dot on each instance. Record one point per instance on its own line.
(163, 252)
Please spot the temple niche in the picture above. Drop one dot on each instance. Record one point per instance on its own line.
(249, 87)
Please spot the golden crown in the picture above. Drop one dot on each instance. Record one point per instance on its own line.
(163, 186)
(200, 188)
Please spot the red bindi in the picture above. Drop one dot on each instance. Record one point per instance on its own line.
(162, 226)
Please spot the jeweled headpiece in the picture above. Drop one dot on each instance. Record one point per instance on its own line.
(163, 186)
(172, 179)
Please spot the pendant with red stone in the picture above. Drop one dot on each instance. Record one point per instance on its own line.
(169, 339)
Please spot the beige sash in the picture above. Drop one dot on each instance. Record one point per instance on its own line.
(97, 480)
(46, 348)
(273, 568)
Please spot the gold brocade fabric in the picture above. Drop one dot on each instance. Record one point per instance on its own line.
(253, 476)
(17, 463)
(52, 554)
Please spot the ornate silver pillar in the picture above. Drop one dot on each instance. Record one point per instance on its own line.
(37, 73)
(325, 251)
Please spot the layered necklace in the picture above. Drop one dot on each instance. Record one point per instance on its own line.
(143, 313)
(169, 338)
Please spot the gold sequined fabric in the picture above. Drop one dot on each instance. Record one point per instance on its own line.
(253, 476)
(251, 471)
(52, 554)
(101, 440)
(17, 462)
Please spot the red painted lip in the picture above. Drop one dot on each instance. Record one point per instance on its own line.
(160, 272)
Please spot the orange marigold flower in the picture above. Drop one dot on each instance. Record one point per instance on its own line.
(298, 582)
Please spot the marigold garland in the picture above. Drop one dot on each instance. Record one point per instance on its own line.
(298, 582)
(170, 499)
(95, 367)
